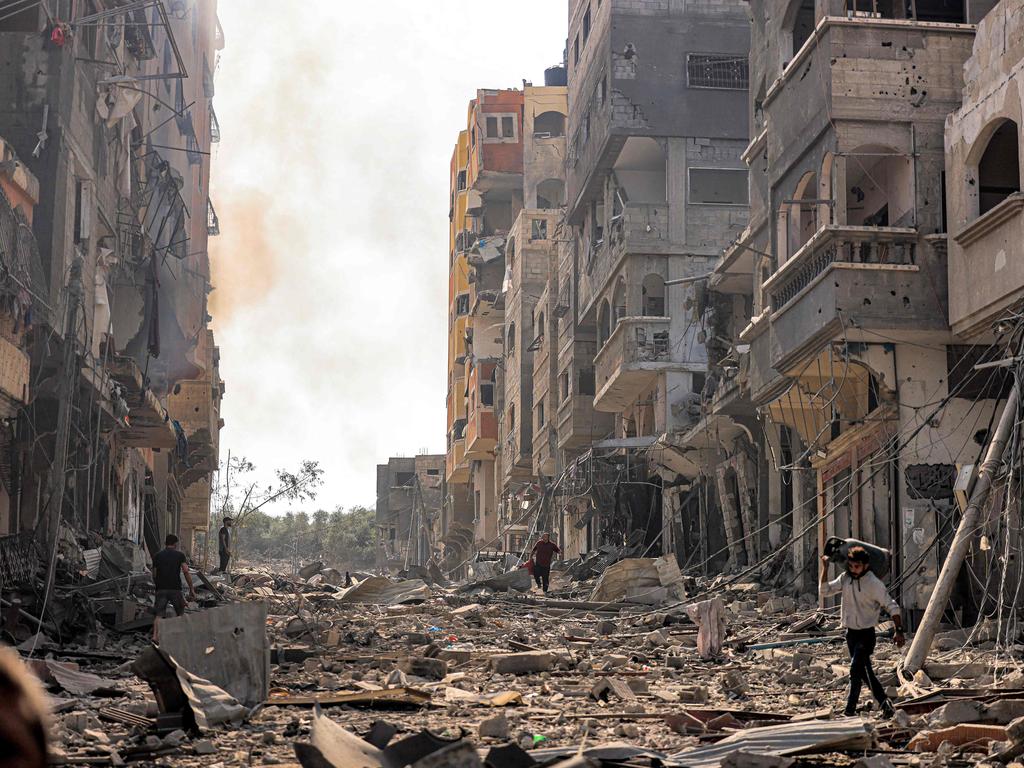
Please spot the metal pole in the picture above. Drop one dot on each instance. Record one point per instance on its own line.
(65, 389)
(925, 633)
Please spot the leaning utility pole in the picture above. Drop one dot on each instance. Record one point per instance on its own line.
(922, 642)
(65, 394)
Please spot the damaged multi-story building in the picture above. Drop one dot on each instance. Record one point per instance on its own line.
(656, 187)
(486, 194)
(113, 433)
(757, 305)
(410, 494)
(854, 330)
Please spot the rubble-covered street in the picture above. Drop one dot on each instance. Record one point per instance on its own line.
(397, 672)
(549, 383)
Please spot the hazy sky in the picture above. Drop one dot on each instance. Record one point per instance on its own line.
(331, 184)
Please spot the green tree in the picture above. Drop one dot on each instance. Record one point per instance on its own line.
(351, 539)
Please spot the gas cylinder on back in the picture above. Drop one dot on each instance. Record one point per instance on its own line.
(836, 549)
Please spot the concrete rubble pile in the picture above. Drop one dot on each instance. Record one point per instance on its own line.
(394, 672)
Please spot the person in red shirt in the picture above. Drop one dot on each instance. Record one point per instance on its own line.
(542, 554)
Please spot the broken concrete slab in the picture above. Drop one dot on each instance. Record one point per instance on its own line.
(421, 666)
(494, 727)
(226, 645)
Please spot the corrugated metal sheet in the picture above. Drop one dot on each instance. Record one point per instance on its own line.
(787, 739)
(92, 562)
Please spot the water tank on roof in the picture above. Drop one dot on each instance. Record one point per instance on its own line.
(555, 76)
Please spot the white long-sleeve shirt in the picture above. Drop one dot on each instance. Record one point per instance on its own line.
(863, 600)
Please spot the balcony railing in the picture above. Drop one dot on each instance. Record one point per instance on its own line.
(832, 245)
(638, 348)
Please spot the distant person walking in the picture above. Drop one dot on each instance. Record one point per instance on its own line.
(224, 544)
(168, 566)
(542, 554)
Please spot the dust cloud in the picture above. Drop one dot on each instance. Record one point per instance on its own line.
(243, 262)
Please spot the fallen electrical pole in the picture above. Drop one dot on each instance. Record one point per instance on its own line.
(925, 633)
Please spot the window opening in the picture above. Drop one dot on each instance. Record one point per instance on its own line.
(487, 395)
(492, 128)
(999, 169)
(508, 129)
(718, 186)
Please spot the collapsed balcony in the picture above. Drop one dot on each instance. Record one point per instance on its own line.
(147, 424)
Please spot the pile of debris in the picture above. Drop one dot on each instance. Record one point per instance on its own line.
(635, 667)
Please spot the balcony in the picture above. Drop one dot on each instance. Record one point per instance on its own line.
(481, 434)
(986, 267)
(195, 506)
(147, 424)
(456, 468)
(544, 463)
(858, 283)
(636, 353)
(514, 460)
(841, 73)
(193, 404)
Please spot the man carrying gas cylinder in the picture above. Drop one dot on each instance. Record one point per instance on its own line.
(863, 598)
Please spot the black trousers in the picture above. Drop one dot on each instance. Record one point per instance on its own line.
(861, 643)
(542, 575)
(224, 558)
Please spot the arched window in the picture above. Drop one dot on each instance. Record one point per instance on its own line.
(604, 323)
(999, 167)
(798, 25)
(549, 124)
(654, 296)
(510, 341)
(879, 187)
(801, 217)
(619, 301)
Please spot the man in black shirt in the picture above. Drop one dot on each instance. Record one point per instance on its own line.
(168, 566)
(224, 545)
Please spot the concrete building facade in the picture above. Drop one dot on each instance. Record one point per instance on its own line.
(110, 108)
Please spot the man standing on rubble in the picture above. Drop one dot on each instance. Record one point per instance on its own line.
(168, 566)
(224, 544)
(542, 554)
(863, 598)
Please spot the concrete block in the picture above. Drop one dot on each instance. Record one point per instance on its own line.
(524, 663)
